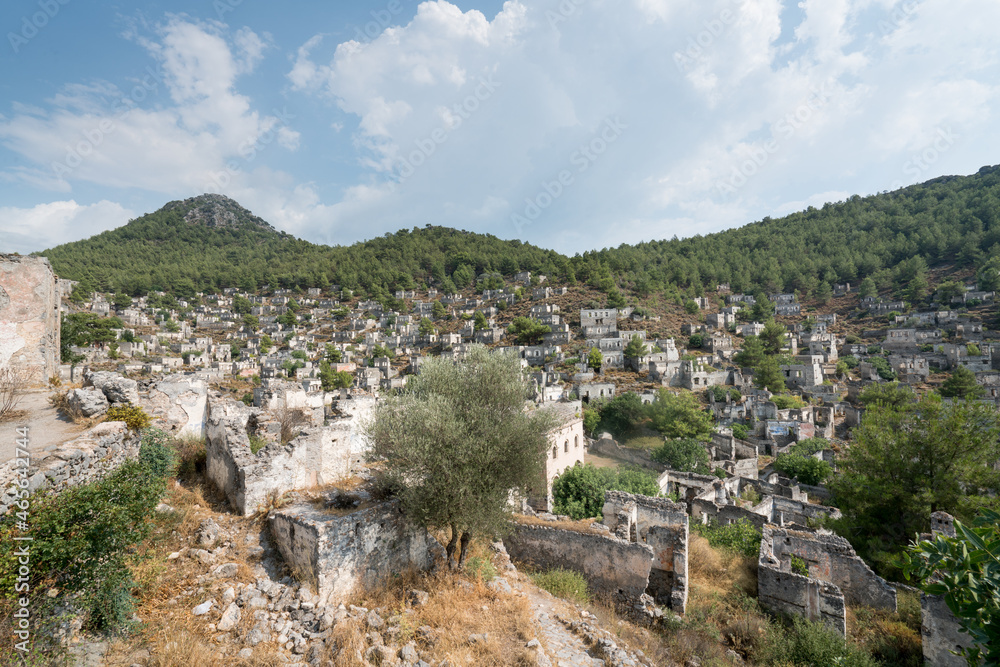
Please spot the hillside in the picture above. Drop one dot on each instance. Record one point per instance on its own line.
(210, 242)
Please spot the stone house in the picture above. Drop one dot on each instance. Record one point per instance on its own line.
(595, 390)
(567, 445)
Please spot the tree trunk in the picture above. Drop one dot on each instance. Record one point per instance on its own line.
(450, 549)
(465, 549)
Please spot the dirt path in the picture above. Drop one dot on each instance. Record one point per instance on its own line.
(46, 427)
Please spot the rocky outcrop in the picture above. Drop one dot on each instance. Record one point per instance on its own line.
(117, 389)
(89, 401)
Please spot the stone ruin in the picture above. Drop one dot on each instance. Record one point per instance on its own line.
(837, 577)
(939, 629)
(29, 317)
(343, 551)
(662, 525)
(319, 455)
(636, 559)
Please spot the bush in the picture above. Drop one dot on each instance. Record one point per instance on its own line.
(741, 431)
(579, 492)
(85, 538)
(807, 644)
(683, 455)
(786, 401)
(741, 537)
(481, 568)
(135, 417)
(565, 584)
(806, 469)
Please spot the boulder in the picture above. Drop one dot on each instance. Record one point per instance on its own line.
(116, 388)
(88, 401)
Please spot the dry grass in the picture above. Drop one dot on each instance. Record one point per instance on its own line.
(457, 608)
(582, 526)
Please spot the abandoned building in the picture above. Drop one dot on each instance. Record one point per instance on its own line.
(29, 317)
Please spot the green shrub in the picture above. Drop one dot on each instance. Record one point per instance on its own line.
(786, 401)
(683, 455)
(741, 431)
(565, 584)
(84, 538)
(135, 417)
(247, 398)
(481, 568)
(807, 469)
(579, 492)
(257, 443)
(808, 644)
(740, 536)
(799, 566)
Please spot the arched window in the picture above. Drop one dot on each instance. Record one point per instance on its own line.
(566, 446)
(576, 441)
(555, 452)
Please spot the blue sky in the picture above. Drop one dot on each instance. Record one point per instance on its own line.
(572, 124)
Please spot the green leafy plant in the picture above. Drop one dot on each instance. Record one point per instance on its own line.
(740, 536)
(965, 569)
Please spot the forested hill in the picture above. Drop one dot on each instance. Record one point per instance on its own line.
(210, 242)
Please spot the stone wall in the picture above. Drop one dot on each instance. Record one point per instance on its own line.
(939, 629)
(830, 558)
(320, 455)
(85, 459)
(343, 553)
(663, 525)
(781, 590)
(29, 317)
(614, 568)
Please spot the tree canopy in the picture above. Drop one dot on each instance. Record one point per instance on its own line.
(910, 460)
(457, 441)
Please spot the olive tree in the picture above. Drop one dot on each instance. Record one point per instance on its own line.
(458, 442)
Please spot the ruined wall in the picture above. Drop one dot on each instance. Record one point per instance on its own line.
(181, 403)
(87, 458)
(29, 317)
(612, 567)
(939, 628)
(343, 553)
(779, 589)
(831, 558)
(663, 525)
(319, 455)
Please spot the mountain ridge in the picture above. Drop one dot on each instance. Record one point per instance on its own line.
(946, 220)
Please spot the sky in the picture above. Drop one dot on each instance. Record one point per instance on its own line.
(571, 124)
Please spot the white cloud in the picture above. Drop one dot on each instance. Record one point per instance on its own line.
(46, 225)
(170, 133)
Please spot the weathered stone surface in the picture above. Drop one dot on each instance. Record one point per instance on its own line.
(84, 459)
(29, 317)
(321, 455)
(939, 629)
(230, 618)
(613, 567)
(780, 589)
(88, 401)
(663, 525)
(181, 403)
(116, 388)
(341, 553)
